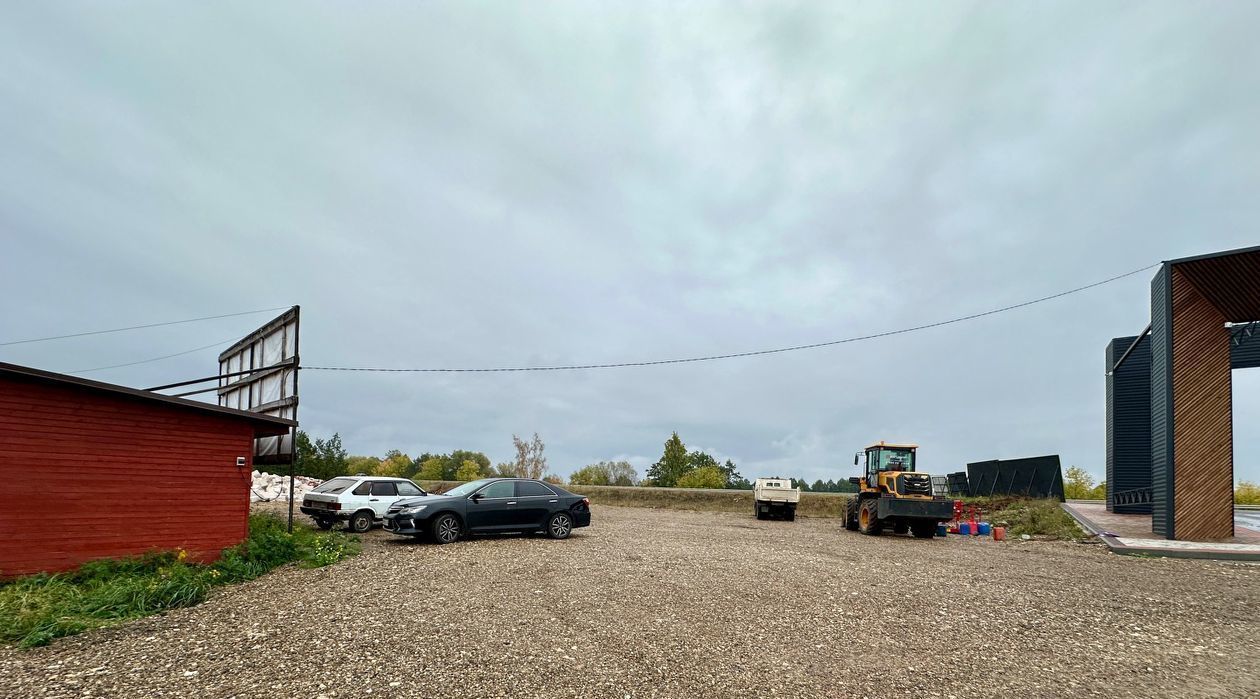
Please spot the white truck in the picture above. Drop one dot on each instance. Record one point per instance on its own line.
(775, 497)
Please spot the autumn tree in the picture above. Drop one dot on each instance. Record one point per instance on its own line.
(530, 462)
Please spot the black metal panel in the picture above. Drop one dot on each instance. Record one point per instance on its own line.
(958, 484)
(1161, 404)
(1129, 422)
(1244, 350)
(1036, 477)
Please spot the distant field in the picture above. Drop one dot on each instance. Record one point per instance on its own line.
(811, 505)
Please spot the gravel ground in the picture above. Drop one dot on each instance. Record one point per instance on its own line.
(658, 603)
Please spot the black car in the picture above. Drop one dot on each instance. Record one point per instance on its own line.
(490, 506)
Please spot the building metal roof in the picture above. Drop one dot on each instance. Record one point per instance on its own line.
(266, 424)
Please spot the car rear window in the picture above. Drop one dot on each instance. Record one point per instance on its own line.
(525, 489)
(384, 488)
(336, 485)
(408, 488)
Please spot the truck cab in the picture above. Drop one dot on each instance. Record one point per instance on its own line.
(775, 497)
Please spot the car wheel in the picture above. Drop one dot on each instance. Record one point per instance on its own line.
(446, 529)
(560, 525)
(323, 523)
(360, 522)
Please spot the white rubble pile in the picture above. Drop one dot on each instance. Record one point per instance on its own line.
(269, 486)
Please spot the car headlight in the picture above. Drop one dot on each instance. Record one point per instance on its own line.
(411, 510)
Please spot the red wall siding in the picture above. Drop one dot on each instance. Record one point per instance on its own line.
(87, 475)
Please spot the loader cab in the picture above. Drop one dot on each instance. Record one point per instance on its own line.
(885, 457)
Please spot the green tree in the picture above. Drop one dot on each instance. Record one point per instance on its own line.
(460, 457)
(366, 465)
(700, 459)
(1247, 493)
(592, 474)
(1078, 484)
(469, 471)
(672, 464)
(1099, 492)
(432, 470)
(320, 459)
(395, 465)
(704, 477)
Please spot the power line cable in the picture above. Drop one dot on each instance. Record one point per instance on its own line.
(139, 327)
(154, 359)
(733, 355)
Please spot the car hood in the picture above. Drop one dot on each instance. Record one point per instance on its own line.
(430, 499)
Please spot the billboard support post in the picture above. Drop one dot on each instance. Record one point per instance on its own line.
(297, 364)
(259, 374)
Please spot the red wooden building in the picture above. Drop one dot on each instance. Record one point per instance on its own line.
(94, 470)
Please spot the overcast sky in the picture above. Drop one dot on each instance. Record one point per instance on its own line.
(488, 184)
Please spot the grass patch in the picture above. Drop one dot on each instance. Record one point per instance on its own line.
(1040, 518)
(37, 609)
(811, 504)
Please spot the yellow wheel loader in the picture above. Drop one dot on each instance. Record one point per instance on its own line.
(892, 494)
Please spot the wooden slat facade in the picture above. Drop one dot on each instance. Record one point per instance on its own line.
(89, 473)
(1203, 469)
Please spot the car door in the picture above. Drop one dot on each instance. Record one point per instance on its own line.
(534, 504)
(384, 493)
(490, 508)
(356, 498)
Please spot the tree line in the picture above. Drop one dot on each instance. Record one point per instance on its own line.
(324, 459)
(678, 467)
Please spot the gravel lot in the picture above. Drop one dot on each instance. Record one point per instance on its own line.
(657, 603)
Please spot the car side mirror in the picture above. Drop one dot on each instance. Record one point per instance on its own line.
(855, 480)
(855, 459)
(476, 497)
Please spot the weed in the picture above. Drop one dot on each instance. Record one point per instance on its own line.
(37, 609)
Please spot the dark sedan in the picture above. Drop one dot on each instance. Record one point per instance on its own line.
(491, 506)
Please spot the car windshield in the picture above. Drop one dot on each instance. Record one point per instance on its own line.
(466, 489)
(336, 485)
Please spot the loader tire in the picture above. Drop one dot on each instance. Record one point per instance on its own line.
(923, 530)
(850, 515)
(868, 521)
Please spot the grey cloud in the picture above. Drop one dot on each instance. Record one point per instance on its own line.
(469, 185)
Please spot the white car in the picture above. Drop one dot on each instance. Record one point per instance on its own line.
(360, 501)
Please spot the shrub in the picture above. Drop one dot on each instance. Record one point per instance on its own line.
(1247, 493)
(705, 477)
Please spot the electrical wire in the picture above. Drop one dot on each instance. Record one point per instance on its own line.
(220, 343)
(139, 327)
(733, 355)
